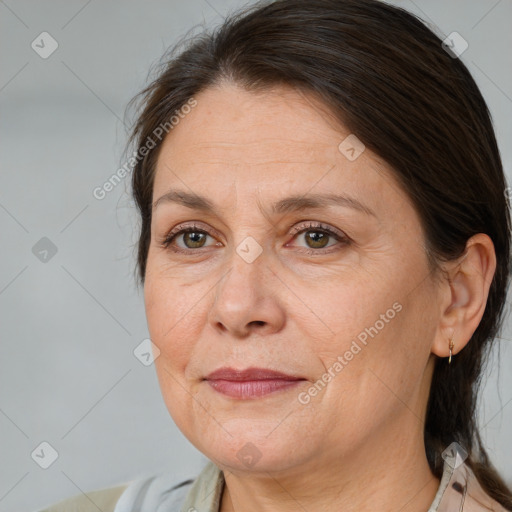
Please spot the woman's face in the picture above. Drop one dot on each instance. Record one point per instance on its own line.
(261, 283)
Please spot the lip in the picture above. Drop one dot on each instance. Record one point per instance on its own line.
(250, 383)
(249, 374)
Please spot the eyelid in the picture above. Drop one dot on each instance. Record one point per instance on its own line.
(190, 226)
(305, 225)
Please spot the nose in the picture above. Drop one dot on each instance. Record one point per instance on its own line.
(247, 299)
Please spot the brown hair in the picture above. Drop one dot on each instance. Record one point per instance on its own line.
(388, 79)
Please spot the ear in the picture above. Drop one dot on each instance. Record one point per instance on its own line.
(465, 293)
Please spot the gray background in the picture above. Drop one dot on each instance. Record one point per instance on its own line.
(69, 325)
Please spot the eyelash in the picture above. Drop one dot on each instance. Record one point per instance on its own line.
(310, 226)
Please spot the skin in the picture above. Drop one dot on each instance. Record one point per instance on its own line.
(358, 444)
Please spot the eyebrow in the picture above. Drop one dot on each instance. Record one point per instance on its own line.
(286, 205)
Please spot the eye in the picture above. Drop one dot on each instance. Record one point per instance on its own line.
(317, 235)
(192, 237)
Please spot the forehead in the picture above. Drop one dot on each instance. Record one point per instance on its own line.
(236, 141)
(279, 122)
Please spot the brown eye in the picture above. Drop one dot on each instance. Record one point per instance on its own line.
(317, 236)
(194, 239)
(316, 239)
(186, 239)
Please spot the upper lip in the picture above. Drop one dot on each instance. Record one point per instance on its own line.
(249, 374)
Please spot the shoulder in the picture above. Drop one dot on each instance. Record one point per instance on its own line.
(104, 499)
(135, 496)
(466, 492)
(171, 493)
(477, 500)
(150, 493)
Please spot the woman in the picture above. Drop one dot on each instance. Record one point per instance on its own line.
(324, 250)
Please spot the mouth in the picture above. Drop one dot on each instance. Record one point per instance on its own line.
(250, 383)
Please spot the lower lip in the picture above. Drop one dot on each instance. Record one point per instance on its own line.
(251, 388)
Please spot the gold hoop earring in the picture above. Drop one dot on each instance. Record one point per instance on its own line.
(451, 348)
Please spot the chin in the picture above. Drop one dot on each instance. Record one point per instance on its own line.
(253, 448)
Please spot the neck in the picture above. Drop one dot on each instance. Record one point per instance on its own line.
(386, 473)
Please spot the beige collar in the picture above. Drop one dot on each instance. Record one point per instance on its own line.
(459, 491)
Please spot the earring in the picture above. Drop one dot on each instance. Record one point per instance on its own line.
(451, 348)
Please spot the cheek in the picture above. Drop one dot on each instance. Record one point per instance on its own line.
(170, 313)
(342, 309)
(368, 323)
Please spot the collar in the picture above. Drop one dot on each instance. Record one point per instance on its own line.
(206, 492)
(458, 491)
